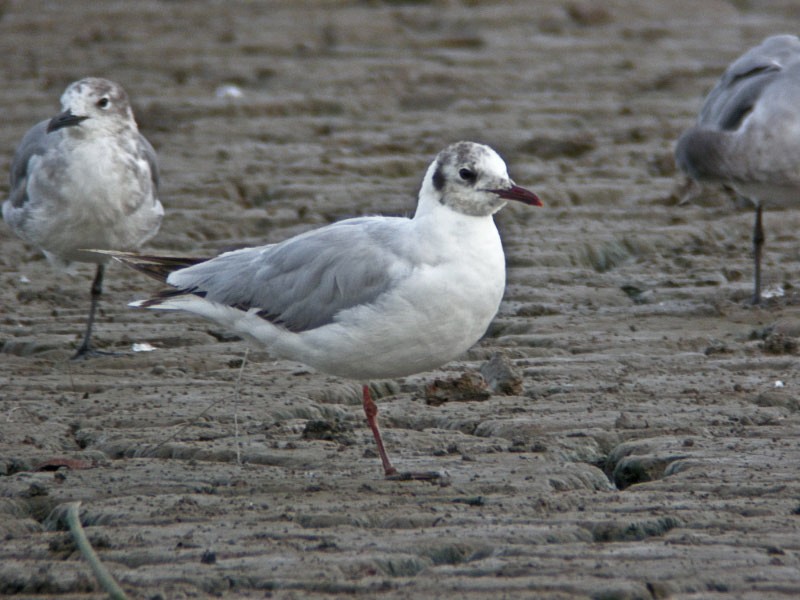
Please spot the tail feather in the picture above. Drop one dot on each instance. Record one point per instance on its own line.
(157, 267)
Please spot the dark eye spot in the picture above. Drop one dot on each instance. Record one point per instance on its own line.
(103, 102)
(467, 174)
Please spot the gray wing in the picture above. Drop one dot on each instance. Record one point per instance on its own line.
(33, 143)
(304, 282)
(744, 81)
(146, 149)
(708, 151)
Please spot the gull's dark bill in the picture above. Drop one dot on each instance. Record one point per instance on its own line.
(520, 194)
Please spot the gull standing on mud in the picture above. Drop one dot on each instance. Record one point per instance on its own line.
(748, 133)
(370, 297)
(85, 179)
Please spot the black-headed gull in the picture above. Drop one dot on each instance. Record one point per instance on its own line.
(370, 297)
(748, 132)
(85, 179)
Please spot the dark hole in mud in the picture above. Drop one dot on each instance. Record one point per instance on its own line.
(633, 532)
(332, 431)
(628, 474)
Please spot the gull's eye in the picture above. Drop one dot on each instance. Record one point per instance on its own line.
(467, 174)
(103, 102)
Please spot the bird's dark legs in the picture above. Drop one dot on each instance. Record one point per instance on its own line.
(85, 350)
(758, 244)
(371, 410)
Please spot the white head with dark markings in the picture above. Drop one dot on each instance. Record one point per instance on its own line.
(471, 179)
(96, 105)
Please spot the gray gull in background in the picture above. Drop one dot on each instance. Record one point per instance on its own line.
(370, 297)
(748, 133)
(85, 179)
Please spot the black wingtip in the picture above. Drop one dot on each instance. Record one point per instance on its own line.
(157, 267)
(165, 295)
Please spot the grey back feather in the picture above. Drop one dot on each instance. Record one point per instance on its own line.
(304, 282)
(149, 153)
(708, 150)
(744, 81)
(33, 143)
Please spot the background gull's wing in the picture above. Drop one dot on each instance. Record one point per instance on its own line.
(715, 149)
(33, 144)
(744, 81)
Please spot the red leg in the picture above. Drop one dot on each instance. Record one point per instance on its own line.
(371, 410)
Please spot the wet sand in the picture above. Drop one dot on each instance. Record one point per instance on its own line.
(653, 447)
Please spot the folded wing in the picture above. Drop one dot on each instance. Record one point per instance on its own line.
(304, 282)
